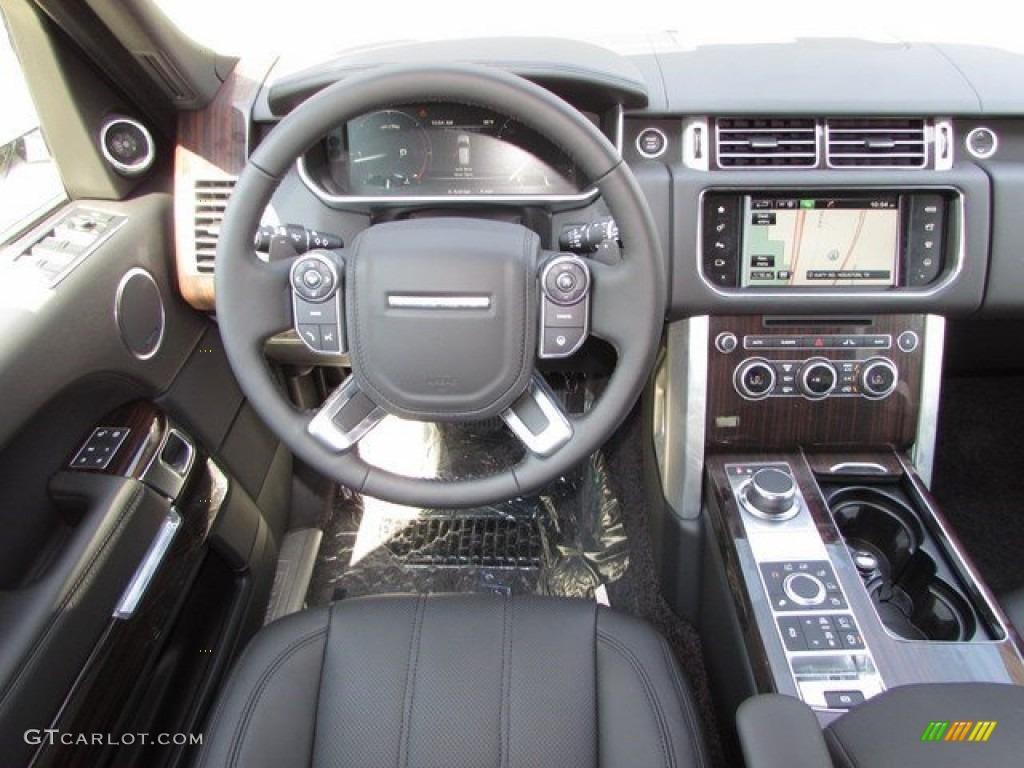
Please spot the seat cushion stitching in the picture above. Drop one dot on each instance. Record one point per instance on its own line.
(411, 664)
(652, 699)
(320, 677)
(506, 685)
(685, 703)
(257, 693)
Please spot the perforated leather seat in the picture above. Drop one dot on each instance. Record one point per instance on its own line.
(456, 681)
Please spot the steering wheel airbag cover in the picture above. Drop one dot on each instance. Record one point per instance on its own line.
(442, 316)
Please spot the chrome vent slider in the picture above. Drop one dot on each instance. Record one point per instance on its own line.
(766, 142)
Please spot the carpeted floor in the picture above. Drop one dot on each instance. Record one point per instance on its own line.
(979, 472)
(593, 528)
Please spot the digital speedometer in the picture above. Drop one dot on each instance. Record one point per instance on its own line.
(388, 149)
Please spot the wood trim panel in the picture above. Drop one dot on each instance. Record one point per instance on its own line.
(212, 145)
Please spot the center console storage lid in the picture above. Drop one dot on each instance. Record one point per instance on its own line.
(780, 730)
(900, 726)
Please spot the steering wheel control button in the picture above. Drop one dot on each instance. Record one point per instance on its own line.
(651, 143)
(562, 342)
(314, 278)
(754, 378)
(330, 341)
(316, 313)
(878, 378)
(310, 334)
(726, 342)
(771, 494)
(566, 279)
(818, 379)
(557, 316)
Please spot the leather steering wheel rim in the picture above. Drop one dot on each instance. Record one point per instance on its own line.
(628, 299)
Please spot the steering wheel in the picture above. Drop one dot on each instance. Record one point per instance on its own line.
(444, 319)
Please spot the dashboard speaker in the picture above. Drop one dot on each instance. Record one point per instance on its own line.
(139, 311)
(127, 145)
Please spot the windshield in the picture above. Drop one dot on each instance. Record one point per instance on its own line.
(316, 28)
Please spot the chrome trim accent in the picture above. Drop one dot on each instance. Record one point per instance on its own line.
(857, 466)
(805, 370)
(746, 365)
(125, 169)
(943, 143)
(923, 451)
(147, 569)
(814, 130)
(975, 132)
(139, 271)
(439, 302)
(639, 146)
(558, 431)
(875, 362)
(331, 199)
(696, 144)
(620, 128)
(818, 598)
(322, 425)
(681, 394)
(160, 475)
(926, 141)
(561, 258)
(911, 294)
(743, 495)
(973, 582)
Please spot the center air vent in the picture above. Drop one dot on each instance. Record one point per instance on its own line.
(766, 142)
(876, 143)
(211, 200)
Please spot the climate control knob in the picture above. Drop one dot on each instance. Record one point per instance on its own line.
(817, 378)
(878, 378)
(754, 378)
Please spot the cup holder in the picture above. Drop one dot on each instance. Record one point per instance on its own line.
(888, 546)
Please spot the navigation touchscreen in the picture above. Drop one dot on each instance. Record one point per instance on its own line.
(820, 242)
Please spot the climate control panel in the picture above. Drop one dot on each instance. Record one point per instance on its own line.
(815, 378)
(789, 381)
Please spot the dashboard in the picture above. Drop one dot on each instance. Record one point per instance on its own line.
(437, 150)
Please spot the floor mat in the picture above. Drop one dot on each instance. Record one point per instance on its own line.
(590, 529)
(979, 472)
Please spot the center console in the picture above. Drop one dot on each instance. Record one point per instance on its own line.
(846, 579)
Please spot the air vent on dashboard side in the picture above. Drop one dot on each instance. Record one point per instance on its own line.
(876, 143)
(211, 200)
(766, 142)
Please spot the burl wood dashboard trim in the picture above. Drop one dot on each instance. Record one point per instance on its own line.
(212, 146)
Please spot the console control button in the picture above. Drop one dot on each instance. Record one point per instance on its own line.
(804, 589)
(843, 699)
(754, 378)
(771, 494)
(907, 341)
(817, 379)
(792, 633)
(726, 342)
(878, 378)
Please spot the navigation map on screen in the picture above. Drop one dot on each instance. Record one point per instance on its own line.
(820, 242)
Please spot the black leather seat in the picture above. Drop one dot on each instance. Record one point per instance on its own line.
(456, 681)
